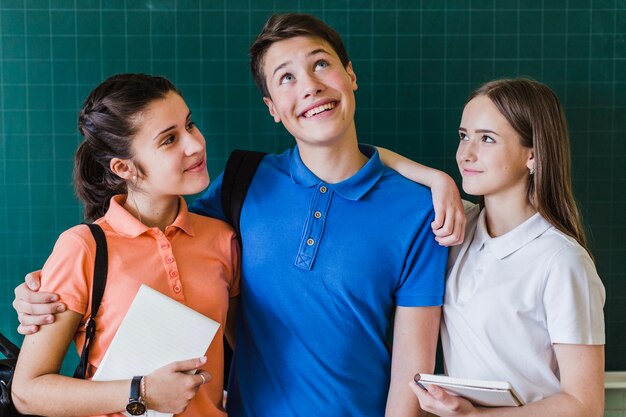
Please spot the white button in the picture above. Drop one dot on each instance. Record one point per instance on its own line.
(318, 214)
(310, 242)
(323, 189)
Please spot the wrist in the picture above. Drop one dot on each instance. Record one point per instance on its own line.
(136, 405)
(143, 390)
(439, 177)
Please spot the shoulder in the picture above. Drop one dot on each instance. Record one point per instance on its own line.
(209, 226)
(405, 190)
(277, 160)
(565, 251)
(567, 262)
(75, 237)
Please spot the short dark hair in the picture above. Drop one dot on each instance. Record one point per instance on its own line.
(285, 26)
(108, 121)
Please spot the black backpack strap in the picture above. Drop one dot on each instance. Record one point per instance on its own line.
(240, 169)
(100, 272)
(8, 348)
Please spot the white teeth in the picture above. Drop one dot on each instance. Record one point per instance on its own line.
(319, 109)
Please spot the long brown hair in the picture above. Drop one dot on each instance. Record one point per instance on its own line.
(536, 114)
(108, 121)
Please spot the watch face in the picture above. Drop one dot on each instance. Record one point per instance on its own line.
(135, 408)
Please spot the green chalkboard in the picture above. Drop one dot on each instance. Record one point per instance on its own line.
(415, 61)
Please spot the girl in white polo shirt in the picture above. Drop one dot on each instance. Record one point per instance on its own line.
(523, 300)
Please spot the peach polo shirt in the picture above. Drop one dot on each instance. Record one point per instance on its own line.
(194, 261)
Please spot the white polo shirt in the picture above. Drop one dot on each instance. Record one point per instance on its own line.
(509, 298)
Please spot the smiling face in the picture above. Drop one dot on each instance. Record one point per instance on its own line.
(311, 92)
(490, 156)
(170, 150)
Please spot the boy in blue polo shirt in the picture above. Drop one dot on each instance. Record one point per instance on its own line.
(339, 254)
(342, 279)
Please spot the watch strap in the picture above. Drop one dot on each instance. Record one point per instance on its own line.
(135, 388)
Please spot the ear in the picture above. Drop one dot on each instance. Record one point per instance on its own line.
(123, 168)
(270, 105)
(530, 162)
(352, 76)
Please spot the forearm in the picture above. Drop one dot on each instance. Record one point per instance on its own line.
(414, 346)
(559, 405)
(412, 170)
(56, 395)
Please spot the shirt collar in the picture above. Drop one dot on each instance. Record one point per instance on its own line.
(352, 188)
(124, 223)
(503, 246)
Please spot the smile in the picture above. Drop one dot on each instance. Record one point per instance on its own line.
(467, 171)
(196, 167)
(319, 109)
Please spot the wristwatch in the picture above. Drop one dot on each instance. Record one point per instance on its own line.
(135, 406)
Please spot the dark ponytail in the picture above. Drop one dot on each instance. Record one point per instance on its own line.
(108, 121)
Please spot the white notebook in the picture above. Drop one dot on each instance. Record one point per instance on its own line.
(156, 331)
(479, 392)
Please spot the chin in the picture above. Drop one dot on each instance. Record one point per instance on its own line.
(473, 189)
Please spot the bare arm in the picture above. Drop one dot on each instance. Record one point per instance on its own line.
(35, 308)
(449, 223)
(38, 389)
(414, 345)
(582, 390)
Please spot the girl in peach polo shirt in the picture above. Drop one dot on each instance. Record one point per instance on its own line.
(141, 152)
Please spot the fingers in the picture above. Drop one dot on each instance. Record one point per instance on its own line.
(26, 295)
(449, 229)
(26, 330)
(436, 400)
(188, 364)
(203, 377)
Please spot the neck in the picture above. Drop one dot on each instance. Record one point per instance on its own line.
(505, 213)
(333, 162)
(158, 213)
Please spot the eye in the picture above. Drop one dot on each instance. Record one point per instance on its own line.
(463, 137)
(321, 64)
(190, 125)
(168, 140)
(287, 78)
(488, 139)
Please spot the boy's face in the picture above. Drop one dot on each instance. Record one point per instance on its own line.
(312, 93)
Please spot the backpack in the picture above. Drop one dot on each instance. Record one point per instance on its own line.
(11, 351)
(238, 174)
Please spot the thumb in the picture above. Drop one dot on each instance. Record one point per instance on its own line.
(439, 218)
(188, 364)
(451, 402)
(33, 280)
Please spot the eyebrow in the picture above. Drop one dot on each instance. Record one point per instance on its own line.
(462, 129)
(170, 128)
(313, 52)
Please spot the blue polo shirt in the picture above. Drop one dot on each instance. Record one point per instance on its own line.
(324, 267)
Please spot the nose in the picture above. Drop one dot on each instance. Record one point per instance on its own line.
(194, 142)
(466, 151)
(311, 85)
